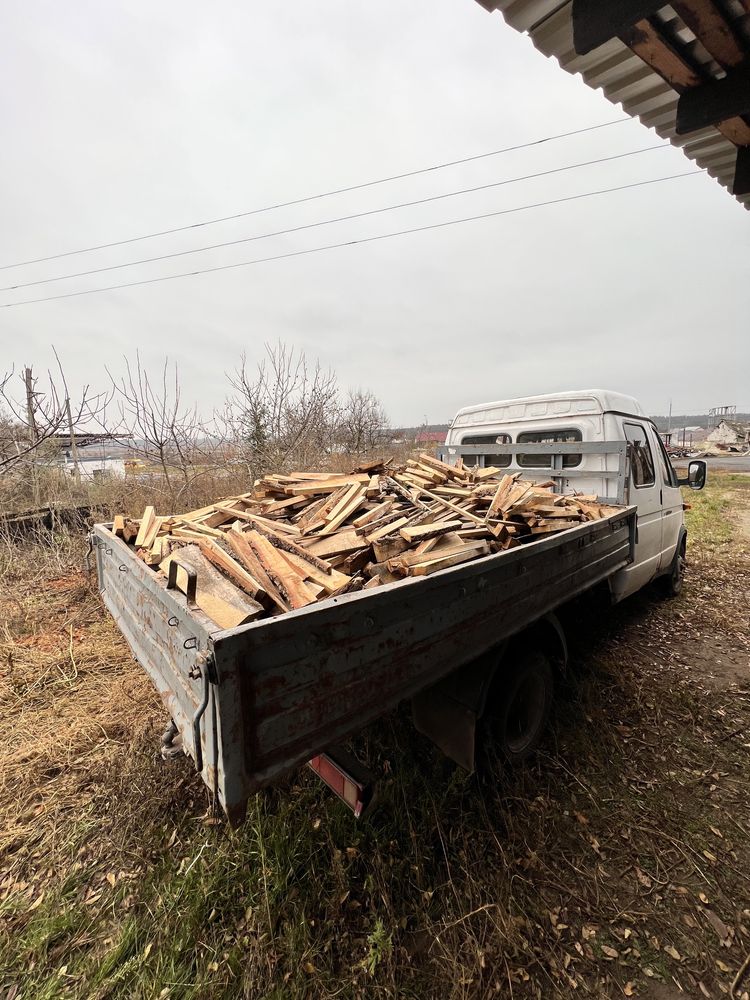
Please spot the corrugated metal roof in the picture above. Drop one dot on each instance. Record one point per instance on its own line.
(624, 78)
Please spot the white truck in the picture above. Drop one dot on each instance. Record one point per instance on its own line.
(478, 641)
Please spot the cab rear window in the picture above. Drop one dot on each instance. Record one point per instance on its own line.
(566, 435)
(501, 461)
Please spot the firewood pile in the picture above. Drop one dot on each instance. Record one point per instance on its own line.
(307, 536)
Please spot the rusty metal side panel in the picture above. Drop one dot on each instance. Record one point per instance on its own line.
(291, 686)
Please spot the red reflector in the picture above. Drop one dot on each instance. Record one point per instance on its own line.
(354, 793)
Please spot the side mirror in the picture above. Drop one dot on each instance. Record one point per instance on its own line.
(696, 477)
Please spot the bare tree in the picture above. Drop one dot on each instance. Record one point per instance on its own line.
(37, 413)
(362, 422)
(150, 416)
(283, 412)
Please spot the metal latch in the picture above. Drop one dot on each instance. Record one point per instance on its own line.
(204, 666)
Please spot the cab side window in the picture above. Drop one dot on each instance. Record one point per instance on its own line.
(641, 459)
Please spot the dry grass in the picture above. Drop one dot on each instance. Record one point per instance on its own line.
(618, 863)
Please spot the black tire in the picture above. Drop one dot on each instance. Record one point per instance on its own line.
(674, 581)
(519, 705)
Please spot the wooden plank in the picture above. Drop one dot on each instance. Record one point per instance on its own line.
(331, 581)
(234, 570)
(278, 570)
(452, 471)
(345, 508)
(372, 515)
(737, 131)
(451, 506)
(388, 548)
(280, 542)
(152, 532)
(147, 521)
(387, 529)
(409, 559)
(333, 545)
(118, 526)
(421, 532)
(547, 527)
(253, 565)
(256, 519)
(329, 486)
(215, 596)
(660, 55)
(714, 102)
(427, 568)
(196, 528)
(597, 21)
(710, 28)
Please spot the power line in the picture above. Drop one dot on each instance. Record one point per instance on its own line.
(329, 222)
(349, 243)
(315, 197)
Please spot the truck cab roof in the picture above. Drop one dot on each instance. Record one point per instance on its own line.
(579, 402)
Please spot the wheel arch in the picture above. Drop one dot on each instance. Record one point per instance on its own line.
(447, 712)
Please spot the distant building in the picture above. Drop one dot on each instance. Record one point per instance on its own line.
(684, 437)
(731, 434)
(430, 438)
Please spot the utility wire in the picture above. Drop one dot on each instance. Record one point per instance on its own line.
(349, 243)
(315, 197)
(329, 222)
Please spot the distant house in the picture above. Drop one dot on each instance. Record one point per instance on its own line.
(731, 433)
(430, 438)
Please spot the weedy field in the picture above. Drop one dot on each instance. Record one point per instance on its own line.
(616, 864)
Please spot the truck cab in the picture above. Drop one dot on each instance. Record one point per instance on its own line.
(621, 459)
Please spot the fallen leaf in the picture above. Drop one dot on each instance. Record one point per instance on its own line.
(147, 950)
(610, 952)
(628, 990)
(703, 898)
(583, 820)
(673, 952)
(643, 878)
(112, 879)
(725, 933)
(710, 856)
(310, 968)
(722, 966)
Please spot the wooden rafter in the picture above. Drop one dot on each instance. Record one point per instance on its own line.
(742, 172)
(710, 28)
(597, 21)
(714, 102)
(660, 55)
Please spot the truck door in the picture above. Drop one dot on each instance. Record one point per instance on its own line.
(671, 504)
(646, 493)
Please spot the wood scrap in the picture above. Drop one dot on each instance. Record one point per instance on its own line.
(301, 537)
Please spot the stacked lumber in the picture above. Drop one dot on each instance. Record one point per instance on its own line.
(307, 536)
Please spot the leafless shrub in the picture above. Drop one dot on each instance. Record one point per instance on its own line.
(284, 412)
(362, 423)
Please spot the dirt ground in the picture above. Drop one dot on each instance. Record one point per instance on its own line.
(616, 864)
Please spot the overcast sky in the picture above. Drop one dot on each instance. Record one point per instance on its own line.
(119, 119)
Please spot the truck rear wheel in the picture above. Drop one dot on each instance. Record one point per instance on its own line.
(519, 706)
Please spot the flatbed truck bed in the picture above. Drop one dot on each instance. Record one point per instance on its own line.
(254, 702)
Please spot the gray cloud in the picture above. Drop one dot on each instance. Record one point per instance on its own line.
(119, 119)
